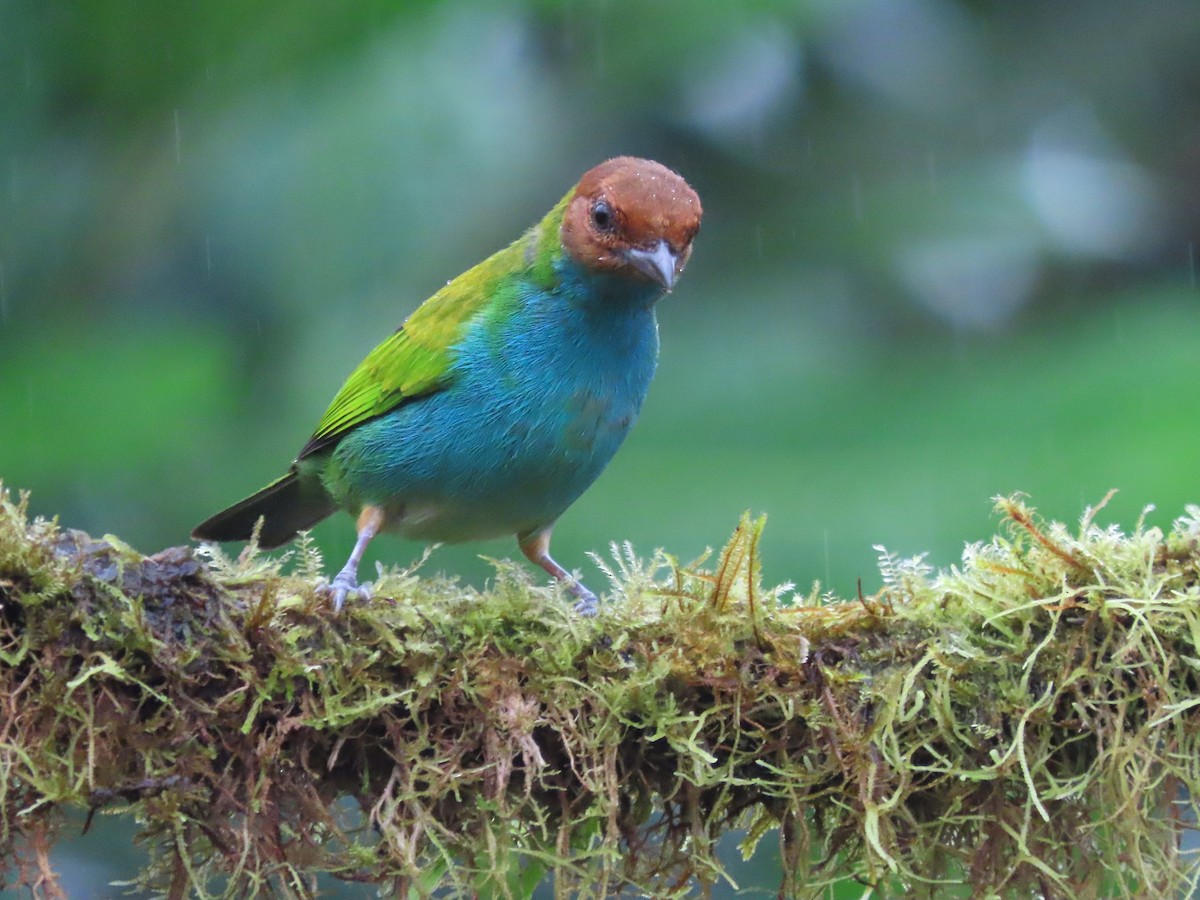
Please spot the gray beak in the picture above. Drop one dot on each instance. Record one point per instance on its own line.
(657, 263)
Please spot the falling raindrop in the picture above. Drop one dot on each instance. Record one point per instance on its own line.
(600, 53)
(828, 567)
(178, 138)
(856, 191)
(931, 166)
(758, 240)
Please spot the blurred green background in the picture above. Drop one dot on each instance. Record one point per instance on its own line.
(949, 251)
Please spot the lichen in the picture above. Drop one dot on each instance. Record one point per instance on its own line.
(1022, 725)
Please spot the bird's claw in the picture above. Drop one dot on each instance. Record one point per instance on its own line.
(586, 603)
(344, 586)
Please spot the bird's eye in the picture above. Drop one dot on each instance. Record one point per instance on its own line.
(602, 216)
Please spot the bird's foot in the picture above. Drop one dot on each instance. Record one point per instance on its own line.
(536, 547)
(344, 586)
(586, 603)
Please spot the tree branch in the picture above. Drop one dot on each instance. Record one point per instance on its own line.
(1025, 724)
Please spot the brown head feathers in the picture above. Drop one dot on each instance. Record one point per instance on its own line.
(632, 216)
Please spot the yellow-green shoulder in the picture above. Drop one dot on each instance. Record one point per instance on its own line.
(417, 358)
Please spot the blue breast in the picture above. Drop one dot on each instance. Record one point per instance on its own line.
(546, 385)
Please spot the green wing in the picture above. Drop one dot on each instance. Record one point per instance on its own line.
(416, 360)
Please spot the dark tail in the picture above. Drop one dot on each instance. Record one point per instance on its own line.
(285, 506)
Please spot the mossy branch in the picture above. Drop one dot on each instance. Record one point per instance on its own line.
(1026, 724)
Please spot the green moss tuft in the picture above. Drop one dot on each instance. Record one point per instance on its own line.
(1022, 725)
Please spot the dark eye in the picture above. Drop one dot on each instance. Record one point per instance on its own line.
(602, 216)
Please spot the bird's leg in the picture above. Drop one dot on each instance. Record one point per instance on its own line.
(345, 583)
(536, 547)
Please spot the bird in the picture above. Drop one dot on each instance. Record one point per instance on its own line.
(503, 396)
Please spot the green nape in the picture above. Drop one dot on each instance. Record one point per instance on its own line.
(1023, 724)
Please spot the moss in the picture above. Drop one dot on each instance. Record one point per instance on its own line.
(1022, 725)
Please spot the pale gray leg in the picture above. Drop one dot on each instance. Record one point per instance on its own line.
(536, 547)
(345, 583)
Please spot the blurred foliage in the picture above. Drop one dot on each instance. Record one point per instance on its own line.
(950, 250)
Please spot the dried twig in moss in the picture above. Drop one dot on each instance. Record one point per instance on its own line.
(1024, 725)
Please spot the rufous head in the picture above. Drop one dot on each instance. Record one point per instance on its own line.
(632, 217)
